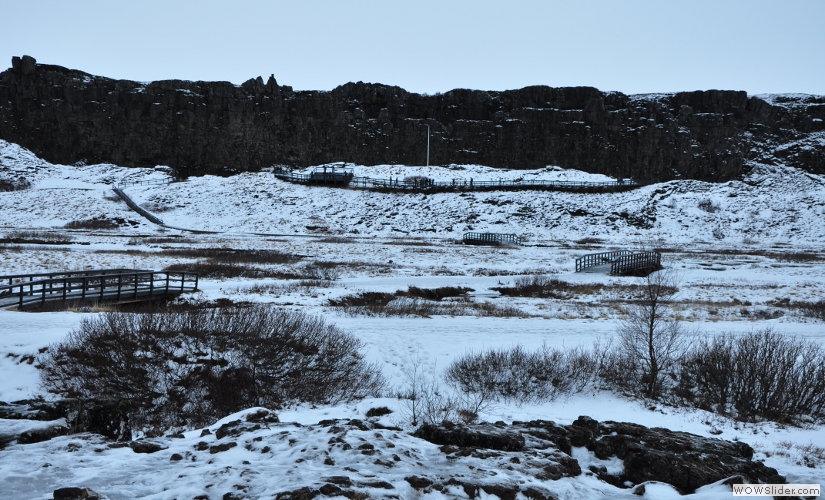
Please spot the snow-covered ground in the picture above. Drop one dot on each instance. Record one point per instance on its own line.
(738, 249)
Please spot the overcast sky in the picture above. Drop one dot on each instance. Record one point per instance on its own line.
(430, 46)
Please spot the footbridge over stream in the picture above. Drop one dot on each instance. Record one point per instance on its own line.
(621, 262)
(118, 286)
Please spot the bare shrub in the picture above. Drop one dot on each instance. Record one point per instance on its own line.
(188, 368)
(540, 286)
(813, 309)
(547, 287)
(363, 299)
(99, 223)
(428, 402)
(322, 270)
(516, 375)
(435, 294)
(809, 309)
(761, 375)
(650, 334)
(617, 370)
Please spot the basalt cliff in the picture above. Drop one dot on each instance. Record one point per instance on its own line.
(69, 116)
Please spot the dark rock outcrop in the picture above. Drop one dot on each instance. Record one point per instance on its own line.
(110, 419)
(69, 116)
(74, 493)
(685, 461)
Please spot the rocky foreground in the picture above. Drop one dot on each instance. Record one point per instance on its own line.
(254, 455)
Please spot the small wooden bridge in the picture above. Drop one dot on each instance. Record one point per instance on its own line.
(491, 239)
(101, 285)
(621, 262)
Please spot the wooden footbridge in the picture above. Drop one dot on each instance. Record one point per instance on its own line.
(491, 239)
(621, 262)
(95, 286)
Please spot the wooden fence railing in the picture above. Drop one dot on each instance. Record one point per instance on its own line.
(621, 261)
(598, 259)
(491, 239)
(108, 285)
(636, 263)
(419, 184)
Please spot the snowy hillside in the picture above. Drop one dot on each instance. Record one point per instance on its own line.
(771, 205)
(740, 249)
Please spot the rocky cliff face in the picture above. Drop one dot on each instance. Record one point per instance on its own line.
(68, 116)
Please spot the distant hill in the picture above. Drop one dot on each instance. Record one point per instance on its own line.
(69, 116)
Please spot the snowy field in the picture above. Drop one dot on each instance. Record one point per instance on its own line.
(740, 250)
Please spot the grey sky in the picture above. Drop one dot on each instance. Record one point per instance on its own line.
(429, 46)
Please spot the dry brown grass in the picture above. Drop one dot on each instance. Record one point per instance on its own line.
(422, 303)
(37, 238)
(233, 256)
(98, 223)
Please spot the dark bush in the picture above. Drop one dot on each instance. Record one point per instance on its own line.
(539, 286)
(99, 223)
(547, 287)
(813, 309)
(234, 256)
(189, 368)
(516, 375)
(435, 294)
(37, 238)
(19, 184)
(364, 299)
(761, 375)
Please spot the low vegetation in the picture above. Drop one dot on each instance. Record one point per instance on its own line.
(185, 369)
(545, 287)
(37, 238)
(421, 302)
(753, 377)
(97, 223)
(762, 375)
(233, 256)
(516, 375)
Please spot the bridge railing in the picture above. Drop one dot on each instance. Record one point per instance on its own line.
(144, 182)
(598, 259)
(621, 261)
(636, 262)
(468, 184)
(491, 239)
(21, 278)
(101, 286)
